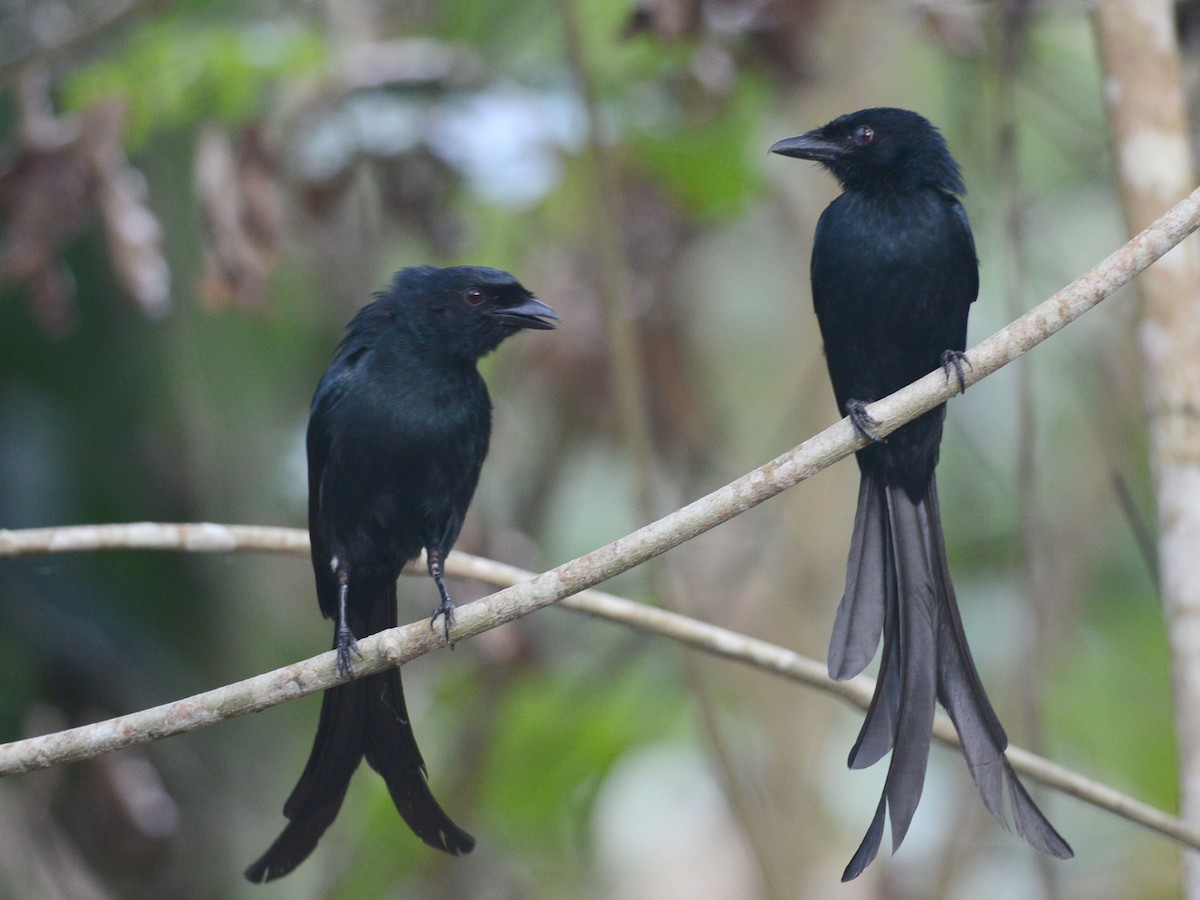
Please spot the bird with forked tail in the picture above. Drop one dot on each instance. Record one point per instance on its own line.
(894, 274)
(397, 434)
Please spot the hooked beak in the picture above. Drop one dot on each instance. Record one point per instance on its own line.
(810, 145)
(529, 313)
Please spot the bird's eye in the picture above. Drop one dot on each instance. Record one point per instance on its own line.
(473, 296)
(863, 135)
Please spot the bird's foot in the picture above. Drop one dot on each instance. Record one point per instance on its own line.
(346, 645)
(957, 360)
(445, 612)
(862, 420)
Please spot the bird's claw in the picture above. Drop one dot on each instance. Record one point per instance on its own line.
(346, 645)
(445, 612)
(957, 360)
(862, 421)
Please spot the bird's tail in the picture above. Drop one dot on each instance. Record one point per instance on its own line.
(391, 750)
(898, 586)
(363, 718)
(961, 693)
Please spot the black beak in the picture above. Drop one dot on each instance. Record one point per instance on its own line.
(810, 145)
(528, 313)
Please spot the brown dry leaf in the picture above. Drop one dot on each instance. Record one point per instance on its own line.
(65, 170)
(46, 199)
(133, 233)
(237, 187)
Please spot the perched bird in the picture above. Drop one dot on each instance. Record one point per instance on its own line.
(894, 274)
(398, 431)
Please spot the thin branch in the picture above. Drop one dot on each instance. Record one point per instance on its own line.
(612, 269)
(1016, 18)
(395, 646)
(260, 692)
(202, 537)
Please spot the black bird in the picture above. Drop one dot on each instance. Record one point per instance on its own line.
(397, 434)
(894, 274)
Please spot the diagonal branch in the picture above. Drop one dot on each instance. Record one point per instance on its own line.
(263, 691)
(395, 646)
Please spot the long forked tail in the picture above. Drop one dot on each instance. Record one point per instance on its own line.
(364, 718)
(983, 739)
(898, 587)
(391, 750)
(317, 797)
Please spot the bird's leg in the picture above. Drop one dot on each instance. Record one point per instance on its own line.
(346, 644)
(862, 420)
(446, 608)
(957, 360)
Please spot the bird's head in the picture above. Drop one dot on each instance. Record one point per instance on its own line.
(881, 149)
(465, 310)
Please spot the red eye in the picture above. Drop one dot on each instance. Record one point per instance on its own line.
(473, 296)
(863, 135)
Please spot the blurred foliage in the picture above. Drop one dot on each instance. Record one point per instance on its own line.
(708, 172)
(279, 162)
(179, 71)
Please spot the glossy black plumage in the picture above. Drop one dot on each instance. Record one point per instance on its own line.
(894, 274)
(397, 435)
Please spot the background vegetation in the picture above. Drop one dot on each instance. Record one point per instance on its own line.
(196, 196)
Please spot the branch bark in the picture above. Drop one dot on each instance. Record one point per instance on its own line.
(408, 642)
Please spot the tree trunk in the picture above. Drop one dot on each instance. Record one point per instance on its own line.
(1143, 88)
